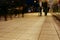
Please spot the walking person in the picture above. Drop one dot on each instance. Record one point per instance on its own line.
(40, 4)
(45, 7)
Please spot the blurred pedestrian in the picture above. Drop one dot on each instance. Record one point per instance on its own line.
(40, 4)
(45, 7)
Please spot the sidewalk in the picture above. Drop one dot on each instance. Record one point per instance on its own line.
(27, 28)
(49, 30)
(31, 27)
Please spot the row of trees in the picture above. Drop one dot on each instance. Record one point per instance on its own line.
(15, 7)
(56, 6)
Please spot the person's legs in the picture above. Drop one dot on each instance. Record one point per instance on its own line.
(40, 11)
(45, 13)
(0, 17)
(22, 13)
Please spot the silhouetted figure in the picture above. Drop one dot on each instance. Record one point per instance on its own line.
(40, 4)
(23, 6)
(5, 11)
(23, 11)
(0, 12)
(10, 11)
(45, 7)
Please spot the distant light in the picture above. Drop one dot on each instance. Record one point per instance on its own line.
(12, 1)
(34, 1)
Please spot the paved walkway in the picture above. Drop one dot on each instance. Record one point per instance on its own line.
(49, 30)
(31, 27)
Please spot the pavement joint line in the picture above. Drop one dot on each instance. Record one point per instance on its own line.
(52, 25)
(56, 32)
(40, 31)
(56, 29)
